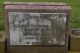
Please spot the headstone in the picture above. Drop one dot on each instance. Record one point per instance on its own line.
(75, 40)
(37, 27)
(2, 42)
(76, 33)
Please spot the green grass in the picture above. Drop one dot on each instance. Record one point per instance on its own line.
(1, 16)
(75, 12)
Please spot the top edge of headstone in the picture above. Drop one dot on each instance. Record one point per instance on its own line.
(35, 3)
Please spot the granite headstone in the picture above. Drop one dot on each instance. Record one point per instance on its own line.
(37, 27)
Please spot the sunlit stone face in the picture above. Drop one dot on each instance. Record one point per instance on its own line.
(37, 28)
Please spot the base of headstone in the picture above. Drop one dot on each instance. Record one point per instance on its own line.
(37, 50)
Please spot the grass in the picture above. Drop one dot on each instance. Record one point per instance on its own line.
(75, 13)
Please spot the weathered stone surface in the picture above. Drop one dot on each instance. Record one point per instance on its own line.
(38, 8)
(36, 5)
(75, 44)
(75, 40)
(2, 43)
(37, 50)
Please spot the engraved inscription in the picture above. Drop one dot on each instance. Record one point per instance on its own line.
(37, 28)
